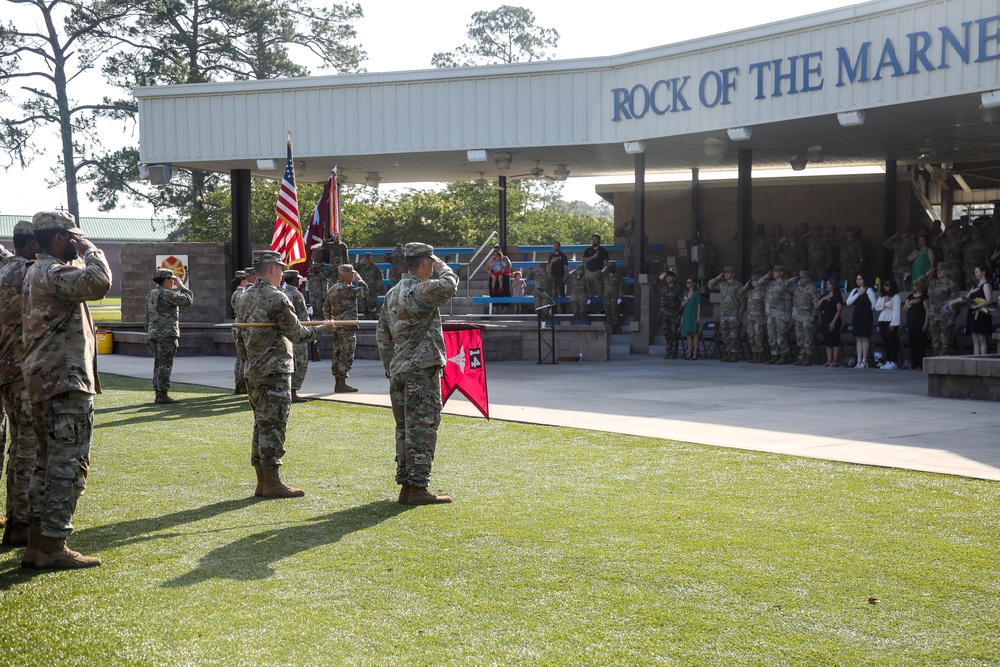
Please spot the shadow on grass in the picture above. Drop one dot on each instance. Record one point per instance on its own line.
(252, 557)
(213, 405)
(93, 540)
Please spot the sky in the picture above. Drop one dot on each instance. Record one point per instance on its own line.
(401, 35)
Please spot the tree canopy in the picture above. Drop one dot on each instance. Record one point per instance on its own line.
(508, 34)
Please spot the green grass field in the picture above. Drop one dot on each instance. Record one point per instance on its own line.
(108, 309)
(563, 547)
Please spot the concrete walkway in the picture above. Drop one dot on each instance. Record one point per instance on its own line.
(870, 417)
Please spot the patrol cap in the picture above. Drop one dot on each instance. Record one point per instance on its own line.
(240, 275)
(943, 266)
(265, 257)
(249, 272)
(729, 269)
(163, 274)
(23, 228)
(367, 255)
(57, 220)
(345, 268)
(804, 274)
(670, 272)
(414, 250)
(290, 276)
(778, 268)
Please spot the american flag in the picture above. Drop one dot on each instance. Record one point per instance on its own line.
(287, 237)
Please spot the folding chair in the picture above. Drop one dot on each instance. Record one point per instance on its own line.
(709, 339)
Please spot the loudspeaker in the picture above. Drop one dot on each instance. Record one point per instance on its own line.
(157, 174)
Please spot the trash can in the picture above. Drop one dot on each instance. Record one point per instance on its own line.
(105, 342)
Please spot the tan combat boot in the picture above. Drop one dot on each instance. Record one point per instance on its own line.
(54, 554)
(15, 534)
(404, 493)
(807, 360)
(342, 387)
(275, 488)
(421, 496)
(30, 554)
(298, 399)
(161, 397)
(782, 360)
(259, 491)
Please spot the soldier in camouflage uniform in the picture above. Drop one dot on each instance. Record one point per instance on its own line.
(411, 346)
(760, 250)
(804, 299)
(952, 244)
(817, 251)
(546, 287)
(613, 283)
(941, 320)
(731, 306)
(60, 371)
(342, 304)
(778, 307)
(670, 309)
(752, 295)
(627, 233)
(974, 253)
(794, 255)
(578, 290)
(300, 351)
(316, 282)
(397, 262)
(372, 276)
(23, 440)
(239, 369)
(161, 320)
(852, 254)
(901, 245)
(269, 369)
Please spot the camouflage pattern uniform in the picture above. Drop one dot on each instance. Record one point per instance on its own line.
(300, 351)
(372, 276)
(60, 371)
(342, 304)
(578, 290)
(613, 283)
(975, 253)
(397, 266)
(670, 312)
(804, 298)
(852, 258)
(952, 246)
(941, 321)
(270, 363)
(316, 282)
(544, 282)
(23, 439)
(817, 253)
(162, 323)
(793, 256)
(411, 346)
(901, 247)
(753, 296)
(731, 310)
(239, 369)
(777, 308)
(760, 252)
(627, 233)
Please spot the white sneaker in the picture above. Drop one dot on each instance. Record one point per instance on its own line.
(889, 366)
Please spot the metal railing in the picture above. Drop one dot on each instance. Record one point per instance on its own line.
(472, 260)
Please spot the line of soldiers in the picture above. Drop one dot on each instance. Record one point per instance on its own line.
(963, 246)
(821, 251)
(580, 290)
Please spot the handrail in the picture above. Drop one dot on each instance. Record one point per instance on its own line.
(925, 203)
(472, 272)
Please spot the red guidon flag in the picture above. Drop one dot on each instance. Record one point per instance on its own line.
(465, 368)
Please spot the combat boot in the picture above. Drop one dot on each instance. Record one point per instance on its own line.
(275, 488)
(733, 357)
(421, 496)
(54, 554)
(404, 493)
(259, 491)
(342, 387)
(161, 397)
(807, 360)
(797, 362)
(782, 360)
(298, 399)
(30, 554)
(15, 534)
(772, 360)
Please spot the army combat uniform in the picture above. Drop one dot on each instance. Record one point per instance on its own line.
(613, 283)
(804, 299)
(754, 297)
(731, 310)
(162, 323)
(411, 346)
(578, 291)
(300, 351)
(60, 371)
(372, 276)
(670, 313)
(777, 308)
(941, 320)
(545, 289)
(342, 304)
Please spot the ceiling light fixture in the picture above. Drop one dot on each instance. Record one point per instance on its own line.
(267, 165)
(503, 161)
(714, 147)
(477, 155)
(635, 147)
(373, 179)
(991, 99)
(851, 118)
(561, 172)
(798, 163)
(740, 133)
(815, 153)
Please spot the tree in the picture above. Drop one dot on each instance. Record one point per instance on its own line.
(196, 41)
(505, 35)
(46, 61)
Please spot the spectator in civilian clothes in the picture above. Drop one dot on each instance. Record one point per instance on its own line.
(888, 306)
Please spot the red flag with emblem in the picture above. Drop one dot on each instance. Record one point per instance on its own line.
(465, 367)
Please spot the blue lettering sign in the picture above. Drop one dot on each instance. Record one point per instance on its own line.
(856, 71)
(659, 111)
(621, 98)
(985, 38)
(961, 49)
(645, 101)
(760, 76)
(919, 43)
(678, 102)
(810, 70)
(888, 59)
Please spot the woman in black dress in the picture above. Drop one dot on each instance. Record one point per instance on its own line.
(830, 306)
(978, 322)
(863, 299)
(917, 323)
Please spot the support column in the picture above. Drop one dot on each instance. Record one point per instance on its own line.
(695, 206)
(890, 219)
(744, 211)
(641, 333)
(240, 187)
(502, 231)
